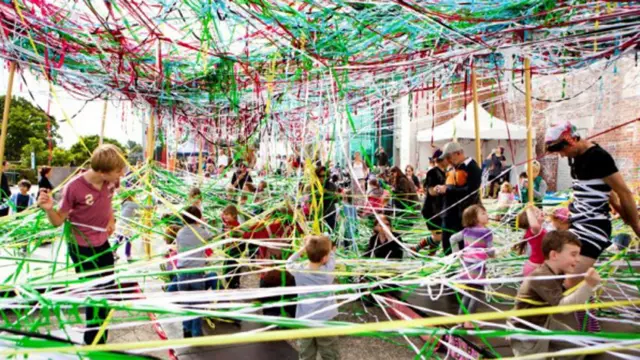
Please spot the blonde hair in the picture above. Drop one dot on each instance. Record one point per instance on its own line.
(508, 185)
(107, 158)
(317, 247)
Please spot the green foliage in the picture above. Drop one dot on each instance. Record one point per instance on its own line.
(36, 146)
(61, 157)
(79, 153)
(26, 121)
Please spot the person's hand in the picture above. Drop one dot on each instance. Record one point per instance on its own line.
(45, 201)
(111, 228)
(592, 278)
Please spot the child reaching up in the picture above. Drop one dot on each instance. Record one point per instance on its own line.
(317, 272)
(478, 248)
(230, 225)
(561, 250)
(531, 220)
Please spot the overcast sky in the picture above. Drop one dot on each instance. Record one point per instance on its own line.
(88, 121)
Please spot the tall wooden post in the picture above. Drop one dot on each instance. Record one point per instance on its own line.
(5, 114)
(476, 116)
(527, 84)
(104, 120)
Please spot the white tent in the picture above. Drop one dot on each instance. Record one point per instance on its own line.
(189, 148)
(491, 128)
(493, 133)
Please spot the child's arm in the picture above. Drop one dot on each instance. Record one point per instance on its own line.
(534, 225)
(456, 239)
(488, 238)
(291, 261)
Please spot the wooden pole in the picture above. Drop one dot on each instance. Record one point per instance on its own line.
(527, 84)
(151, 136)
(104, 120)
(5, 114)
(476, 116)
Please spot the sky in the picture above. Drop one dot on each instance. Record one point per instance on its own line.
(88, 121)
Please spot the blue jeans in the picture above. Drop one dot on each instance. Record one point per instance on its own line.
(193, 326)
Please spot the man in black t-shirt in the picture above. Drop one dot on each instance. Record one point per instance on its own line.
(433, 202)
(241, 176)
(595, 175)
(460, 191)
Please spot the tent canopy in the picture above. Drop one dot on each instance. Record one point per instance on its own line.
(189, 148)
(491, 128)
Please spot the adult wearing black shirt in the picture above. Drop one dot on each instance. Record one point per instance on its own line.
(5, 191)
(44, 182)
(241, 176)
(382, 159)
(595, 175)
(460, 191)
(384, 243)
(329, 197)
(433, 202)
(497, 164)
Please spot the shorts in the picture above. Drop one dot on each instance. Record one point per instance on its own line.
(594, 235)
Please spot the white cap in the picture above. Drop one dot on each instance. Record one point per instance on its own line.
(450, 148)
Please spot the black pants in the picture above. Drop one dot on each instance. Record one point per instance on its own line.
(81, 255)
(4, 212)
(289, 310)
(451, 226)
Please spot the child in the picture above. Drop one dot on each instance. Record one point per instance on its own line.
(230, 224)
(129, 212)
(172, 263)
(350, 219)
(559, 219)
(86, 204)
(195, 198)
(506, 196)
(531, 220)
(376, 198)
(478, 248)
(190, 237)
(316, 306)
(384, 243)
(561, 250)
(22, 200)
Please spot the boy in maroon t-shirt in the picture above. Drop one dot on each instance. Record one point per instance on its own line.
(86, 204)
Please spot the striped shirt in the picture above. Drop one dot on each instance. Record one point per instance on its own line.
(478, 247)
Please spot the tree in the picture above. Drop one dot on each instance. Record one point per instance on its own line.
(79, 153)
(61, 157)
(38, 147)
(26, 121)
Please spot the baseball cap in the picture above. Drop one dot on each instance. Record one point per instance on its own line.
(450, 148)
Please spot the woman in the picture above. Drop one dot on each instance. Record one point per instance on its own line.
(539, 186)
(384, 243)
(44, 182)
(412, 176)
(360, 173)
(404, 191)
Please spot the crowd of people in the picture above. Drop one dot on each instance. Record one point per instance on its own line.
(448, 198)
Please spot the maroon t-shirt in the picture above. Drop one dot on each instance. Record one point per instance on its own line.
(89, 210)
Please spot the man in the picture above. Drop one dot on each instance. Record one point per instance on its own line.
(5, 190)
(497, 164)
(241, 176)
(433, 202)
(382, 159)
(329, 197)
(595, 176)
(460, 191)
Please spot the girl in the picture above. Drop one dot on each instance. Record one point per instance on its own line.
(195, 198)
(531, 220)
(129, 213)
(506, 197)
(478, 248)
(412, 176)
(360, 173)
(560, 219)
(376, 198)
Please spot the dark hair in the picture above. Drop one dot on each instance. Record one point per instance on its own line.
(195, 192)
(191, 215)
(470, 215)
(44, 171)
(25, 183)
(556, 240)
(523, 175)
(317, 248)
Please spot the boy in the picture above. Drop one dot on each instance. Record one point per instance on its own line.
(23, 199)
(230, 224)
(318, 306)
(192, 236)
(86, 204)
(561, 251)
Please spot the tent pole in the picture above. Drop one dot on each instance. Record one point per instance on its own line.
(527, 82)
(474, 89)
(5, 114)
(104, 120)
(476, 117)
